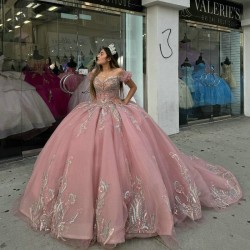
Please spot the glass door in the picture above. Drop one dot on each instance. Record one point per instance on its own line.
(209, 73)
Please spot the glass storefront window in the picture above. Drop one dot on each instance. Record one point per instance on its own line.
(134, 52)
(47, 50)
(209, 72)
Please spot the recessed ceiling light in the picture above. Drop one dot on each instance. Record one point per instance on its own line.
(26, 21)
(18, 13)
(30, 5)
(52, 8)
(38, 15)
(17, 26)
(35, 6)
(9, 19)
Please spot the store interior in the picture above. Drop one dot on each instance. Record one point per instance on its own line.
(210, 72)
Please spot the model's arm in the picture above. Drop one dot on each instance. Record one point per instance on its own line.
(131, 92)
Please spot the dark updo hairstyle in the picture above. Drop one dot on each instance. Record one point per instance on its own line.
(112, 63)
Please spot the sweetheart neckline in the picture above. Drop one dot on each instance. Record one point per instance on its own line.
(104, 80)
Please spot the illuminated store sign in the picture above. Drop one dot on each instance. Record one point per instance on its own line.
(133, 5)
(222, 13)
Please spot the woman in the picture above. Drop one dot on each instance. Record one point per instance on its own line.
(109, 173)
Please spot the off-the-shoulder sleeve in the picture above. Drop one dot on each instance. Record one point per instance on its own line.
(125, 76)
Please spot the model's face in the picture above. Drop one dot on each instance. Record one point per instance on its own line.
(102, 58)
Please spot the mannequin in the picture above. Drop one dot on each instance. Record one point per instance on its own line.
(186, 71)
(200, 60)
(36, 54)
(227, 73)
(186, 63)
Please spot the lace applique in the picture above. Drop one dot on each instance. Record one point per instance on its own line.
(132, 118)
(188, 203)
(109, 109)
(83, 125)
(107, 91)
(50, 217)
(104, 229)
(139, 220)
(224, 196)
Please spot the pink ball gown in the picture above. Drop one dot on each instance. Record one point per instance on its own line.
(109, 173)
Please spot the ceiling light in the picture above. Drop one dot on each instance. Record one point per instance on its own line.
(69, 16)
(30, 5)
(38, 15)
(85, 17)
(18, 13)
(35, 6)
(17, 26)
(26, 21)
(10, 30)
(9, 19)
(52, 8)
(1, 24)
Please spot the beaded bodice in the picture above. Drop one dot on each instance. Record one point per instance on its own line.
(108, 89)
(187, 71)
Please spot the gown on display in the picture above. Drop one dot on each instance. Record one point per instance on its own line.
(185, 97)
(187, 77)
(47, 84)
(70, 80)
(210, 89)
(81, 94)
(228, 76)
(109, 173)
(22, 108)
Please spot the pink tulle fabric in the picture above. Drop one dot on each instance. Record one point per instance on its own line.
(125, 76)
(109, 173)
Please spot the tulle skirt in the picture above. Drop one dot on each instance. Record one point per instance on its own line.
(109, 173)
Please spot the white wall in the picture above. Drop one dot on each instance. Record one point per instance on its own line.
(246, 58)
(162, 73)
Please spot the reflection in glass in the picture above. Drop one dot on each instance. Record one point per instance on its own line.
(204, 67)
(46, 52)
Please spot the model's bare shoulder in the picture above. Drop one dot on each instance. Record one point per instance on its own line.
(119, 71)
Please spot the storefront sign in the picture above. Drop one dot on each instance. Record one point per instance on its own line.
(217, 12)
(133, 5)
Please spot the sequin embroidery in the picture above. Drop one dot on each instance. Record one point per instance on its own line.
(51, 217)
(187, 203)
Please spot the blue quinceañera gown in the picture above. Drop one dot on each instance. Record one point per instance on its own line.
(210, 89)
(109, 173)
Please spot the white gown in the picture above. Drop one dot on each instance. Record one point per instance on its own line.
(21, 107)
(185, 97)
